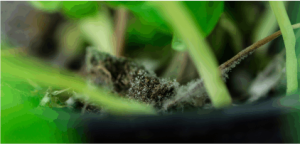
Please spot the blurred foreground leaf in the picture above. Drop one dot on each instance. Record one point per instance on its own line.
(129, 4)
(48, 6)
(291, 128)
(80, 9)
(24, 68)
(18, 122)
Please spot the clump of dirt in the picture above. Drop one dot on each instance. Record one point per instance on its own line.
(127, 78)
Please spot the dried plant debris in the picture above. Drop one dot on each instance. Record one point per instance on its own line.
(127, 78)
(68, 98)
(131, 80)
(224, 68)
(56, 98)
(268, 78)
(192, 94)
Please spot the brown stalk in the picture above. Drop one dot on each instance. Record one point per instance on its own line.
(183, 66)
(225, 67)
(120, 29)
(253, 47)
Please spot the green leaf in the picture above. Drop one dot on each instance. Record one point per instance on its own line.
(48, 6)
(202, 55)
(141, 33)
(19, 67)
(150, 16)
(17, 99)
(289, 42)
(80, 9)
(23, 121)
(146, 13)
(128, 4)
(206, 14)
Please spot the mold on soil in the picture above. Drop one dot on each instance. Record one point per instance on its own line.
(127, 78)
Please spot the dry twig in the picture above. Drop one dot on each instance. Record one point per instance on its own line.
(227, 66)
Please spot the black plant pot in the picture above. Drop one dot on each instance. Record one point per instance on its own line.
(258, 122)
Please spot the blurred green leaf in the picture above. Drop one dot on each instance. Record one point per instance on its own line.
(48, 6)
(80, 9)
(291, 126)
(18, 123)
(23, 122)
(26, 68)
(184, 24)
(139, 33)
(289, 41)
(145, 13)
(142, 9)
(128, 4)
(150, 16)
(206, 13)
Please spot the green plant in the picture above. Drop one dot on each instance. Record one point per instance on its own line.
(206, 64)
(180, 26)
(189, 22)
(89, 16)
(289, 42)
(24, 68)
(48, 6)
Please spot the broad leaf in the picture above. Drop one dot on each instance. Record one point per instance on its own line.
(205, 13)
(145, 12)
(48, 6)
(80, 9)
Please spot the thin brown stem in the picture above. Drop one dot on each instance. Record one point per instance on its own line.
(120, 29)
(251, 48)
(183, 66)
(225, 67)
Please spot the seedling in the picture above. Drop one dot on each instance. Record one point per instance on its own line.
(289, 42)
(119, 85)
(134, 81)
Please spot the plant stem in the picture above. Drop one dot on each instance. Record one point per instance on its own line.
(182, 66)
(225, 67)
(98, 30)
(205, 61)
(231, 63)
(120, 30)
(289, 42)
